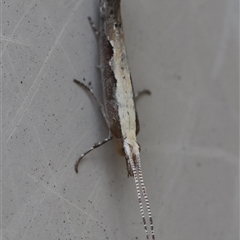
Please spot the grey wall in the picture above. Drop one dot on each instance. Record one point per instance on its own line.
(186, 53)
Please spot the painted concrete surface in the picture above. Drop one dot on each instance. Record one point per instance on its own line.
(186, 53)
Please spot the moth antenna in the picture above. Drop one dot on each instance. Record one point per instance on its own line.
(135, 175)
(144, 192)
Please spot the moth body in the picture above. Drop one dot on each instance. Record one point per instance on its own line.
(118, 94)
(119, 108)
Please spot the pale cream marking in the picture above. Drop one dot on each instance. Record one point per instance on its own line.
(124, 91)
(135, 148)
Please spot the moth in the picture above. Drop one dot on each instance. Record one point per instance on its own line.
(119, 107)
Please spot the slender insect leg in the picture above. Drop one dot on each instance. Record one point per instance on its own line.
(85, 87)
(96, 145)
(144, 91)
(94, 28)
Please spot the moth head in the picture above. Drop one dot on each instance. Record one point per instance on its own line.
(126, 147)
(131, 151)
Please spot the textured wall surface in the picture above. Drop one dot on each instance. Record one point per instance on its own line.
(186, 53)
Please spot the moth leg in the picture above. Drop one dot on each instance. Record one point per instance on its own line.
(94, 28)
(96, 145)
(144, 91)
(85, 87)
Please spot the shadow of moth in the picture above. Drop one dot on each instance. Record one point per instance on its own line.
(119, 108)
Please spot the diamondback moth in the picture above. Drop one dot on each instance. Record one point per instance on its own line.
(119, 107)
